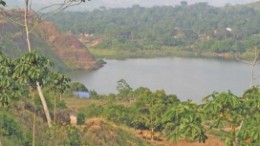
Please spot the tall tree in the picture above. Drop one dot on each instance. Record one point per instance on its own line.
(29, 25)
(150, 107)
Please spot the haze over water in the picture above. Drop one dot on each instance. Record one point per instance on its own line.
(187, 78)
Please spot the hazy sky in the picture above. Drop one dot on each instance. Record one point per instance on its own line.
(128, 3)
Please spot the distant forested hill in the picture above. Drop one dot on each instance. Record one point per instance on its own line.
(198, 27)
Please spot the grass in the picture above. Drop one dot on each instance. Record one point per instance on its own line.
(77, 103)
(98, 131)
(163, 52)
(123, 54)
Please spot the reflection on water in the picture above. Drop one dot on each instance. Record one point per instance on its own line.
(187, 78)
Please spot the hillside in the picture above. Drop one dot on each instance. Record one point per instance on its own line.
(64, 48)
(16, 129)
(197, 28)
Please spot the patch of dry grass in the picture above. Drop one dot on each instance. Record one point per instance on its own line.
(77, 103)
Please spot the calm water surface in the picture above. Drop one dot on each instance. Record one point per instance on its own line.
(187, 78)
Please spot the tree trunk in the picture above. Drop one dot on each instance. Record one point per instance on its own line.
(27, 32)
(152, 134)
(0, 142)
(54, 108)
(253, 77)
(239, 128)
(33, 130)
(44, 104)
(33, 118)
(26, 25)
(234, 136)
(253, 65)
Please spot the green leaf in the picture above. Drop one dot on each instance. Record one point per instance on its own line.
(2, 3)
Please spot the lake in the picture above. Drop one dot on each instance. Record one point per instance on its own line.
(188, 78)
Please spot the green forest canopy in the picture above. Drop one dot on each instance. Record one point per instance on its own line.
(197, 26)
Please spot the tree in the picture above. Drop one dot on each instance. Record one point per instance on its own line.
(32, 69)
(150, 107)
(184, 121)
(118, 114)
(124, 90)
(9, 127)
(80, 118)
(225, 111)
(56, 83)
(3, 3)
(77, 86)
(9, 89)
(184, 3)
(252, 64)
(248, 131)
(29, 25)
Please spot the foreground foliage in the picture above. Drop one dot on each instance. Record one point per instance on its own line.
(236, 117)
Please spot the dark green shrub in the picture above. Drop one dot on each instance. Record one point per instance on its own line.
(80, 119)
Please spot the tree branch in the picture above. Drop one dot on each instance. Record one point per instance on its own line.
(10, 19)
(242, 61)
(38, 21)
(59, 7)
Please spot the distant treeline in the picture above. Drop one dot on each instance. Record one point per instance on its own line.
(198, 27)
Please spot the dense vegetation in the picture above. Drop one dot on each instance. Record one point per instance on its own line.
(157, 116)
(197, 28)
(223, 115)
(22, 117)
(110, 120)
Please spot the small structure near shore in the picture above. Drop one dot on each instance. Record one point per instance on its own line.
(82, 94)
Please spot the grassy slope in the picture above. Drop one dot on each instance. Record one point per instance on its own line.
(12, 43)
(77, 103)
(96, 131)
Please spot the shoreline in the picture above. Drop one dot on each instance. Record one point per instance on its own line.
(126, 54)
